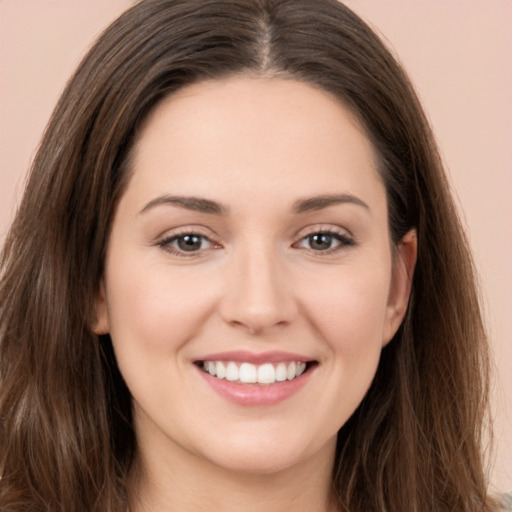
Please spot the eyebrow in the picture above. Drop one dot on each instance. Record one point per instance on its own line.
(197, 204)
(324, 201)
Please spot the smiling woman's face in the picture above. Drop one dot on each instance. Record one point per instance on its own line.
(249, 284)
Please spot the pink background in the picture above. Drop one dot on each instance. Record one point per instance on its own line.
(458, 54)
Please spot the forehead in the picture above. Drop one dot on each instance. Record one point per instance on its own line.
(253, 135)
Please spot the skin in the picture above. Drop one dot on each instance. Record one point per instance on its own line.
(256, 147)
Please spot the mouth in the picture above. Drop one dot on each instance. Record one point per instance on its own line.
(267, 373)
(251, 379)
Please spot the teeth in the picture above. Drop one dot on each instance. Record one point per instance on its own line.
(221, 370)
(249, 373)
(266, 374)
(291, 371)
(281, 372)
(232, 372)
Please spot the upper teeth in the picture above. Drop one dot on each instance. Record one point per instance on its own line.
(267, 373)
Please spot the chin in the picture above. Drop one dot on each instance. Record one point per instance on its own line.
(258, 462)
(266, 454)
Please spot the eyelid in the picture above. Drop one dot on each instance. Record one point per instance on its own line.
(324, 228)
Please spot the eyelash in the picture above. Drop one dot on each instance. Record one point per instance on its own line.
(166, 242)
(343, 240)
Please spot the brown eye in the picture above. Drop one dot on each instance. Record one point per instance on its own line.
(189, 243)
(320, 241)
(327, 242)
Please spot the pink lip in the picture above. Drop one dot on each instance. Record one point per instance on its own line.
(240, 356)
(256, 394)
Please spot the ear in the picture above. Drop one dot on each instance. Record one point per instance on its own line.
(101, 323)
(401, 283)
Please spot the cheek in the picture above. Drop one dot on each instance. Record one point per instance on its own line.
(153, 317)
(350, 311)
(346, 311)
(153, 312)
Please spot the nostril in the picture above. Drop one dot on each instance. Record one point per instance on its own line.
(255, 325)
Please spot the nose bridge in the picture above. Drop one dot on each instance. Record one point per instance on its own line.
(259, 295)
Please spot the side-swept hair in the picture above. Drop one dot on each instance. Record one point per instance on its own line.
(66, 436)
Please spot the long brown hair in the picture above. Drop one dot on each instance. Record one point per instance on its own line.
(66, 436)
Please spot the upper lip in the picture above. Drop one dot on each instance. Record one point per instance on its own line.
(245, 356)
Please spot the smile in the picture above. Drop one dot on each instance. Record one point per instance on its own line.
(251, 379)
(248, 373)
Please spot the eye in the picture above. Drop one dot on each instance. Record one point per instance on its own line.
(186, 243)
(325, 241)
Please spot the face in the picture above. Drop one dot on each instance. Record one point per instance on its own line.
(250, 283)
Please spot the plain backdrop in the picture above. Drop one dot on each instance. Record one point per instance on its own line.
(458, 54)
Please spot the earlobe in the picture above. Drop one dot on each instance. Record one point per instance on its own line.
(101, 323)
(401, 284)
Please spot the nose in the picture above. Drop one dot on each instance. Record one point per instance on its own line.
(259, 296)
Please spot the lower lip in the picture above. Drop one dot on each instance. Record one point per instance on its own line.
(256, 394)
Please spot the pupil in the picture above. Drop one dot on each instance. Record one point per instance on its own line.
(320, 241)
(189, 243)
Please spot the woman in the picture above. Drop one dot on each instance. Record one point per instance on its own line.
(237, 279)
